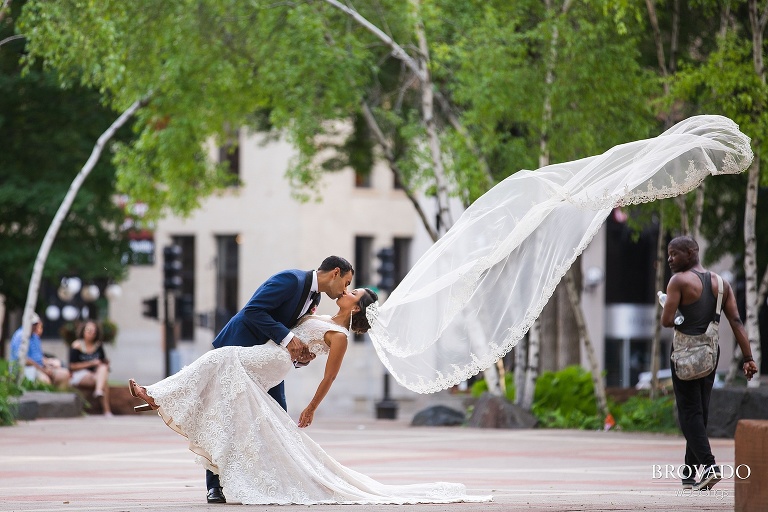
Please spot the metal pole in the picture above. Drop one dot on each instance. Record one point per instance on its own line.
(170, 331)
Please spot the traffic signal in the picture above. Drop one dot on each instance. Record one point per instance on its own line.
(172, 267)
(185, 307)
(149, 308)
(386, 269)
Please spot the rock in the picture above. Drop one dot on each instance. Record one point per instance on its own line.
(52, 404)
(438, 416)
(729, 405)
(492, 411)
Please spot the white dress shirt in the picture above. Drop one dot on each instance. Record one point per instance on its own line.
(304, 308)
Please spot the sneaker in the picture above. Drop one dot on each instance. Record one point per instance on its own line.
(688, 483)
(712, 475)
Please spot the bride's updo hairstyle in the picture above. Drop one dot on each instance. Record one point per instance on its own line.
(360, 323)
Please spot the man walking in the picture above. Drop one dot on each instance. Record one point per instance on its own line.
(693, 290)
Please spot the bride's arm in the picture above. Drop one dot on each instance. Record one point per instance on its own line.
(338, 344)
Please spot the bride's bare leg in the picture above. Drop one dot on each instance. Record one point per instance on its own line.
(141, 392)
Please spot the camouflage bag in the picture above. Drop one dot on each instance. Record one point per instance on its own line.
(695, 356)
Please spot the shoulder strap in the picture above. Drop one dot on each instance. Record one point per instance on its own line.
(719, 306)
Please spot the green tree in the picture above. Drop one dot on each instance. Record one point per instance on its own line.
(47, 134)
(731, 79)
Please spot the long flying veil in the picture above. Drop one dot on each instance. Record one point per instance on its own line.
(476, 292)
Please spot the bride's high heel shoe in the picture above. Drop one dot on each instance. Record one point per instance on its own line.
(133, 388)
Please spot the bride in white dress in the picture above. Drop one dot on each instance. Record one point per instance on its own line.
(220, 404)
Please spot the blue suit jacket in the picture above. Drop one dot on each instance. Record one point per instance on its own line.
(274, 308)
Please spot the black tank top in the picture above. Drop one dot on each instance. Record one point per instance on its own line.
(698, 314)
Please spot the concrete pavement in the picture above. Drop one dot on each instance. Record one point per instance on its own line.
(136, 463)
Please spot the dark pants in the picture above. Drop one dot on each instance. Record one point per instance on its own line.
(278, 393)
(692, 397)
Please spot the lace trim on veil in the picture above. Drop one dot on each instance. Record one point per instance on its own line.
(434, 331)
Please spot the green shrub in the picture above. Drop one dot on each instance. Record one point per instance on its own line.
(108, 331)
(480, 386)
(68, 332)
(36, 385)
(566, 399)
(8, 389)
(640, 413)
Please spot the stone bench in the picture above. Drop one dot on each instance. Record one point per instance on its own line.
(751, 440)
(729, 405)
(43, 404)
(120, 401)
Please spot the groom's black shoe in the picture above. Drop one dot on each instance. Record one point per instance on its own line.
(216, 496)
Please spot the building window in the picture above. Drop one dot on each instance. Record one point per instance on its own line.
(185, 300)
(362, 180)
(227, 274)
(402, 258)
(363, 261)
(363, 274)
(397, 185)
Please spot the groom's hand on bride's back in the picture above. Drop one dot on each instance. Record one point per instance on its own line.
(304, 359)
(300, 354)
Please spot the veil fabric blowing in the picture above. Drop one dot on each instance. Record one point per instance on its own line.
(478, 290)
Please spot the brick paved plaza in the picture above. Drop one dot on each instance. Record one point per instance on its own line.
(136, 463)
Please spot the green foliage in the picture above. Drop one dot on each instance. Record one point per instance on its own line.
(68, 332)
(47, 136)
(641, 413)
(566, 399)
(36, 385)
(310, 67)
(8, 388)
(108, 331)
(480, 386)
(726, 83)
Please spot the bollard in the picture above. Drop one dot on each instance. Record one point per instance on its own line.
(386, 409)
(751, 445)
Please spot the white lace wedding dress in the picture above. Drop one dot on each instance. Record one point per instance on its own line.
(220, 403)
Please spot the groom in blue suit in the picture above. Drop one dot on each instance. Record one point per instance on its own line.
(275, 307)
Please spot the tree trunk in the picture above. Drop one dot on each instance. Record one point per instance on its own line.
(547, 334)
(568, 338)
(550, 319)
(758, 21)
(428, 116)
(597, 378)
(661, 265)
(750, 266)
(698, 212)
(549, 79)
(531, 372)
(53, 229)
(399, 53)
(521, 358)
